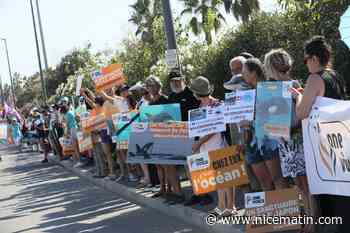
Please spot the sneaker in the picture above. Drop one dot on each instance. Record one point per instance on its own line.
(193, 201)
(120, 178)
(132, 178)
(45, 161)
(78, 164)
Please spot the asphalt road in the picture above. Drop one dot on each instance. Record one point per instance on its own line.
(37, 198)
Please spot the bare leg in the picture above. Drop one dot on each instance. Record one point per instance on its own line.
(161, 176)
(262, 174)
(173, 179)
(221, 199)
(146, 173)
(274, 167)
(106, 147)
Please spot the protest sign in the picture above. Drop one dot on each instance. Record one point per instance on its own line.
(3, 131)
(273, 110)
(120, 120)
(239, 106)
(326, 135)
(159, 143)
(78, 87)
(206, 120)
(93, 121)
(84, 142)
(67, 146)
(217, 169)
(108, 77)
(160, 113)
(283, 202)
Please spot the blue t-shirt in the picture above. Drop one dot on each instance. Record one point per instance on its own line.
(70, 119)
(16, 130)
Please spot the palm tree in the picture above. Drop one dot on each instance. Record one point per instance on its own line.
(144, 14)
(241, 9)
(206, 16)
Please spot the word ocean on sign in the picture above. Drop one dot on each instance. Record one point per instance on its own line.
(217, 169)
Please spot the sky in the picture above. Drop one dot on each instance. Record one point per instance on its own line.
(68, 24)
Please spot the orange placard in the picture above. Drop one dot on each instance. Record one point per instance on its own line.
(109, 77)
(84, 142)
(94, 122)
(283, 203)
(217, 169)
(67, 147)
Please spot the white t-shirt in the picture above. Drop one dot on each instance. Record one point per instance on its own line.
(122, 104)
(214, 143)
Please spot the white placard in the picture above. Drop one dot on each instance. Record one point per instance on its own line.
(239, 106)
(171, 58)
(206, 120)
(326, 135)
(79, 83)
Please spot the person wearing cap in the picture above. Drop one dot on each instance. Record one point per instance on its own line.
(203, 90)
(41, 127)
(182, 95)
(71, 132)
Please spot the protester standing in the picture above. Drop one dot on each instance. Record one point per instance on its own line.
(203, 90)
(154, 87)
(323, 81)
(265, 160)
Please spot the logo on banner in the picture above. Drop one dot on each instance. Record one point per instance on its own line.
(333, 147)
(254, 200)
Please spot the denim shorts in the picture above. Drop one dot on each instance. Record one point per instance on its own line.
(268, 151)
(105, 137)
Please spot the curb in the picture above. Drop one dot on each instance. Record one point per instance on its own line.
(186, 214)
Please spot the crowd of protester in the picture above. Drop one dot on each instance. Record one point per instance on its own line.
(263, 164)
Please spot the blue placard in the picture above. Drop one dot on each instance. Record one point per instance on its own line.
(160, 113)
(273, 111)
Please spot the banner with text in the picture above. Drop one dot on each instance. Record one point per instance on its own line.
(108, 77)
(206, 120)
(283, 202)
(84, 142)
(159, 143)
(93, 121)
(217, 169)
(326, 134)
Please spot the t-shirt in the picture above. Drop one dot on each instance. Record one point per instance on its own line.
(217, 141)
(186, 100)
(70, 120)
(122, 104)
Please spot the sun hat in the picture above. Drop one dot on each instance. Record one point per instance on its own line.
(201, 86)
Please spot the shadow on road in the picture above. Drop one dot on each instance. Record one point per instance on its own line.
(67, 204)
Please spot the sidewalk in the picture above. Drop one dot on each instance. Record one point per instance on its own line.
(195, 216)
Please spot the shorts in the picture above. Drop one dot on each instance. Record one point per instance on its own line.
(268, 151)
(105, 138)
(73, 133)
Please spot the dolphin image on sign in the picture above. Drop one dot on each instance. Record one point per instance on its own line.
(143, 151)
(161, 117)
